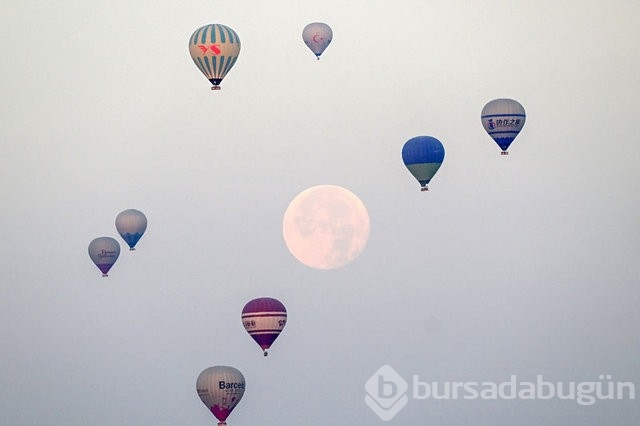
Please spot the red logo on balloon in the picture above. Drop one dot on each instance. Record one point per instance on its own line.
(214, 48)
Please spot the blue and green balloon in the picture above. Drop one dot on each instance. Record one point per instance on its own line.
(423, 156)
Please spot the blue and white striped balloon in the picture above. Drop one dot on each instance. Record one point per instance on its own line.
(214, 49)
(503, 119)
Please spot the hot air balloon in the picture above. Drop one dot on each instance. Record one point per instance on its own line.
(220, 388)
(503, 119)
(104, 252)
(264, 318)
(423, 156)
(131, 224)
(214, 49)
(317, 37)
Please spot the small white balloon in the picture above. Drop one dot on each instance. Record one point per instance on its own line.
(317, 36)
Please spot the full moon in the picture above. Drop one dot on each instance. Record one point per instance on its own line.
(326, 227)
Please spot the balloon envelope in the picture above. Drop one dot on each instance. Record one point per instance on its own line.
(423, 156)
(104, 252)
(220, 388)
(317, 37)
(264, 318)
(503, 119)
(214, 49)
(131, 224)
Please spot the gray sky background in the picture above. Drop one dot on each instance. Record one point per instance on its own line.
(523, 265)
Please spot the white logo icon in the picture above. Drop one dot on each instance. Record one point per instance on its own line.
(386, 393)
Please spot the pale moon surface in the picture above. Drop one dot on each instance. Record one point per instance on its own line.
(326, 227)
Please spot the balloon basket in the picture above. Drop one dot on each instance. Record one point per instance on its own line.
(222, 424)
(105, 275)
(266, 353)
(424, 188)
(132, 249)
(504, 153)
(215, 87)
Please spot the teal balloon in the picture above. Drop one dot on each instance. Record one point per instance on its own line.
(214, 49)
(423, 156)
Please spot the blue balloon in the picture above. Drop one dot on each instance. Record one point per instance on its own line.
(423, 156)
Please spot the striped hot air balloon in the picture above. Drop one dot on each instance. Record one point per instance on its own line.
(214, 49)
(317, 37)
(104, 252)
(503, 119)
(220, 388)
(423, 156)
(264, 318)
(131, 224)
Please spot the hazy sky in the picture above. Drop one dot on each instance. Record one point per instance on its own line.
(525, 265)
